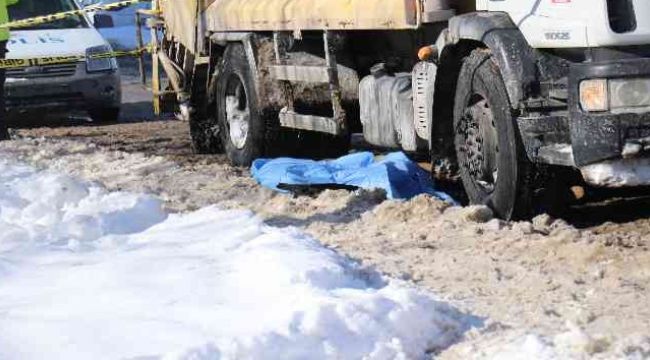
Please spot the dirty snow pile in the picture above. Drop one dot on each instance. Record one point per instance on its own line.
(89, 274)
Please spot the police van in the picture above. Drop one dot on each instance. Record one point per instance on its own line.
(91, 85)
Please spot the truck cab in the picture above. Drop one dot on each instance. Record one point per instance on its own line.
(606, 48)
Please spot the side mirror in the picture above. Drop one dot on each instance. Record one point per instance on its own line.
(102, 21)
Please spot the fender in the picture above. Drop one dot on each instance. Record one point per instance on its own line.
(223, 39)
(513, 54)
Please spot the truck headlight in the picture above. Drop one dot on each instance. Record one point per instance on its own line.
(614, 94)
(629, 93)
(594, 95)
(98, 59)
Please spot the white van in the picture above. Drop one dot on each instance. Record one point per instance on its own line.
(92, 85)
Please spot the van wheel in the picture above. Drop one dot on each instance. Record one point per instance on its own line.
(491, 159)
(241, 126)
(104, 115)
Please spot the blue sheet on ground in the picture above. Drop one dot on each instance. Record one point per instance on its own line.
(400, 177)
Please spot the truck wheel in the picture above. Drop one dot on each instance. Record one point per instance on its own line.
(104, 115)
(492, 164)
(204, 129)
(205, 135)
(4, 131)
(241, 126)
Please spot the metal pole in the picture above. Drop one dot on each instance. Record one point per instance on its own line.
(155, 62)
(333, 74)
(138, 30)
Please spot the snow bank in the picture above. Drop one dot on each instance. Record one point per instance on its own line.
(88, 274)
(530, 346)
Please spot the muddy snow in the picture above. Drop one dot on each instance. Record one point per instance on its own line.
(91, 274)
(575, 288)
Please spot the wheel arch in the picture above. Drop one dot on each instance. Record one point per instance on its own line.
(219, 42)
(450, 62)
(511, 51)
(516, 60)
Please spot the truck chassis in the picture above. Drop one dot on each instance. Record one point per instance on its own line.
(478, 100)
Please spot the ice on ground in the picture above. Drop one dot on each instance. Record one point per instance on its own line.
(90, 274)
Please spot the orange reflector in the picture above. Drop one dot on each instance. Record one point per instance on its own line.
(427, 53)
(594, 95)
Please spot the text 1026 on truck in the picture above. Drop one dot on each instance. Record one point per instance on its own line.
(509, 96)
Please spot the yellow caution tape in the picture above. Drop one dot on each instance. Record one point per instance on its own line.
(62, 15)
(51, 60)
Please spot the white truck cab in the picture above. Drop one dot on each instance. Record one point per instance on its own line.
(577, 23)
(92, 85)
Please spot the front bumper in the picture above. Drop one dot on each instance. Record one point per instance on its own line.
(609, 148)
(597, 137)
(77, 91)
(618, 173)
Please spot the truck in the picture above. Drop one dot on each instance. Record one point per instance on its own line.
(506, 97)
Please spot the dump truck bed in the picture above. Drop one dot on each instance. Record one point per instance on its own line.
(290, 15)
(181, 17)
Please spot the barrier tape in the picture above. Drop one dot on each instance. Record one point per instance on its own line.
(52, 60)
(62, 15)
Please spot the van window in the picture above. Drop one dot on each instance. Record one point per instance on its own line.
(30, 8)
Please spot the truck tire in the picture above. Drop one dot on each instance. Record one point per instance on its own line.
(205, 135)
(491, 159)
(241, 126)
(204, 129)
(105, 115)
(4, 131)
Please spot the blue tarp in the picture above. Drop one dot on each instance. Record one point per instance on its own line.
(395, 173)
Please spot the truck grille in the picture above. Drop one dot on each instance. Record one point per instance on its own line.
(45, 101)
(46, 71)
(622, 18)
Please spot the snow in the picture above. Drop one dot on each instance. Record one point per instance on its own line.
(87, 273)
(530, 346)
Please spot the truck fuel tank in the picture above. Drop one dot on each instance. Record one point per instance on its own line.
(386, 103)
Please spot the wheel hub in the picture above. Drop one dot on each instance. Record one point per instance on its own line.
(480, 148)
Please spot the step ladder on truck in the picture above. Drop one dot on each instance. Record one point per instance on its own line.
(508, 96)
